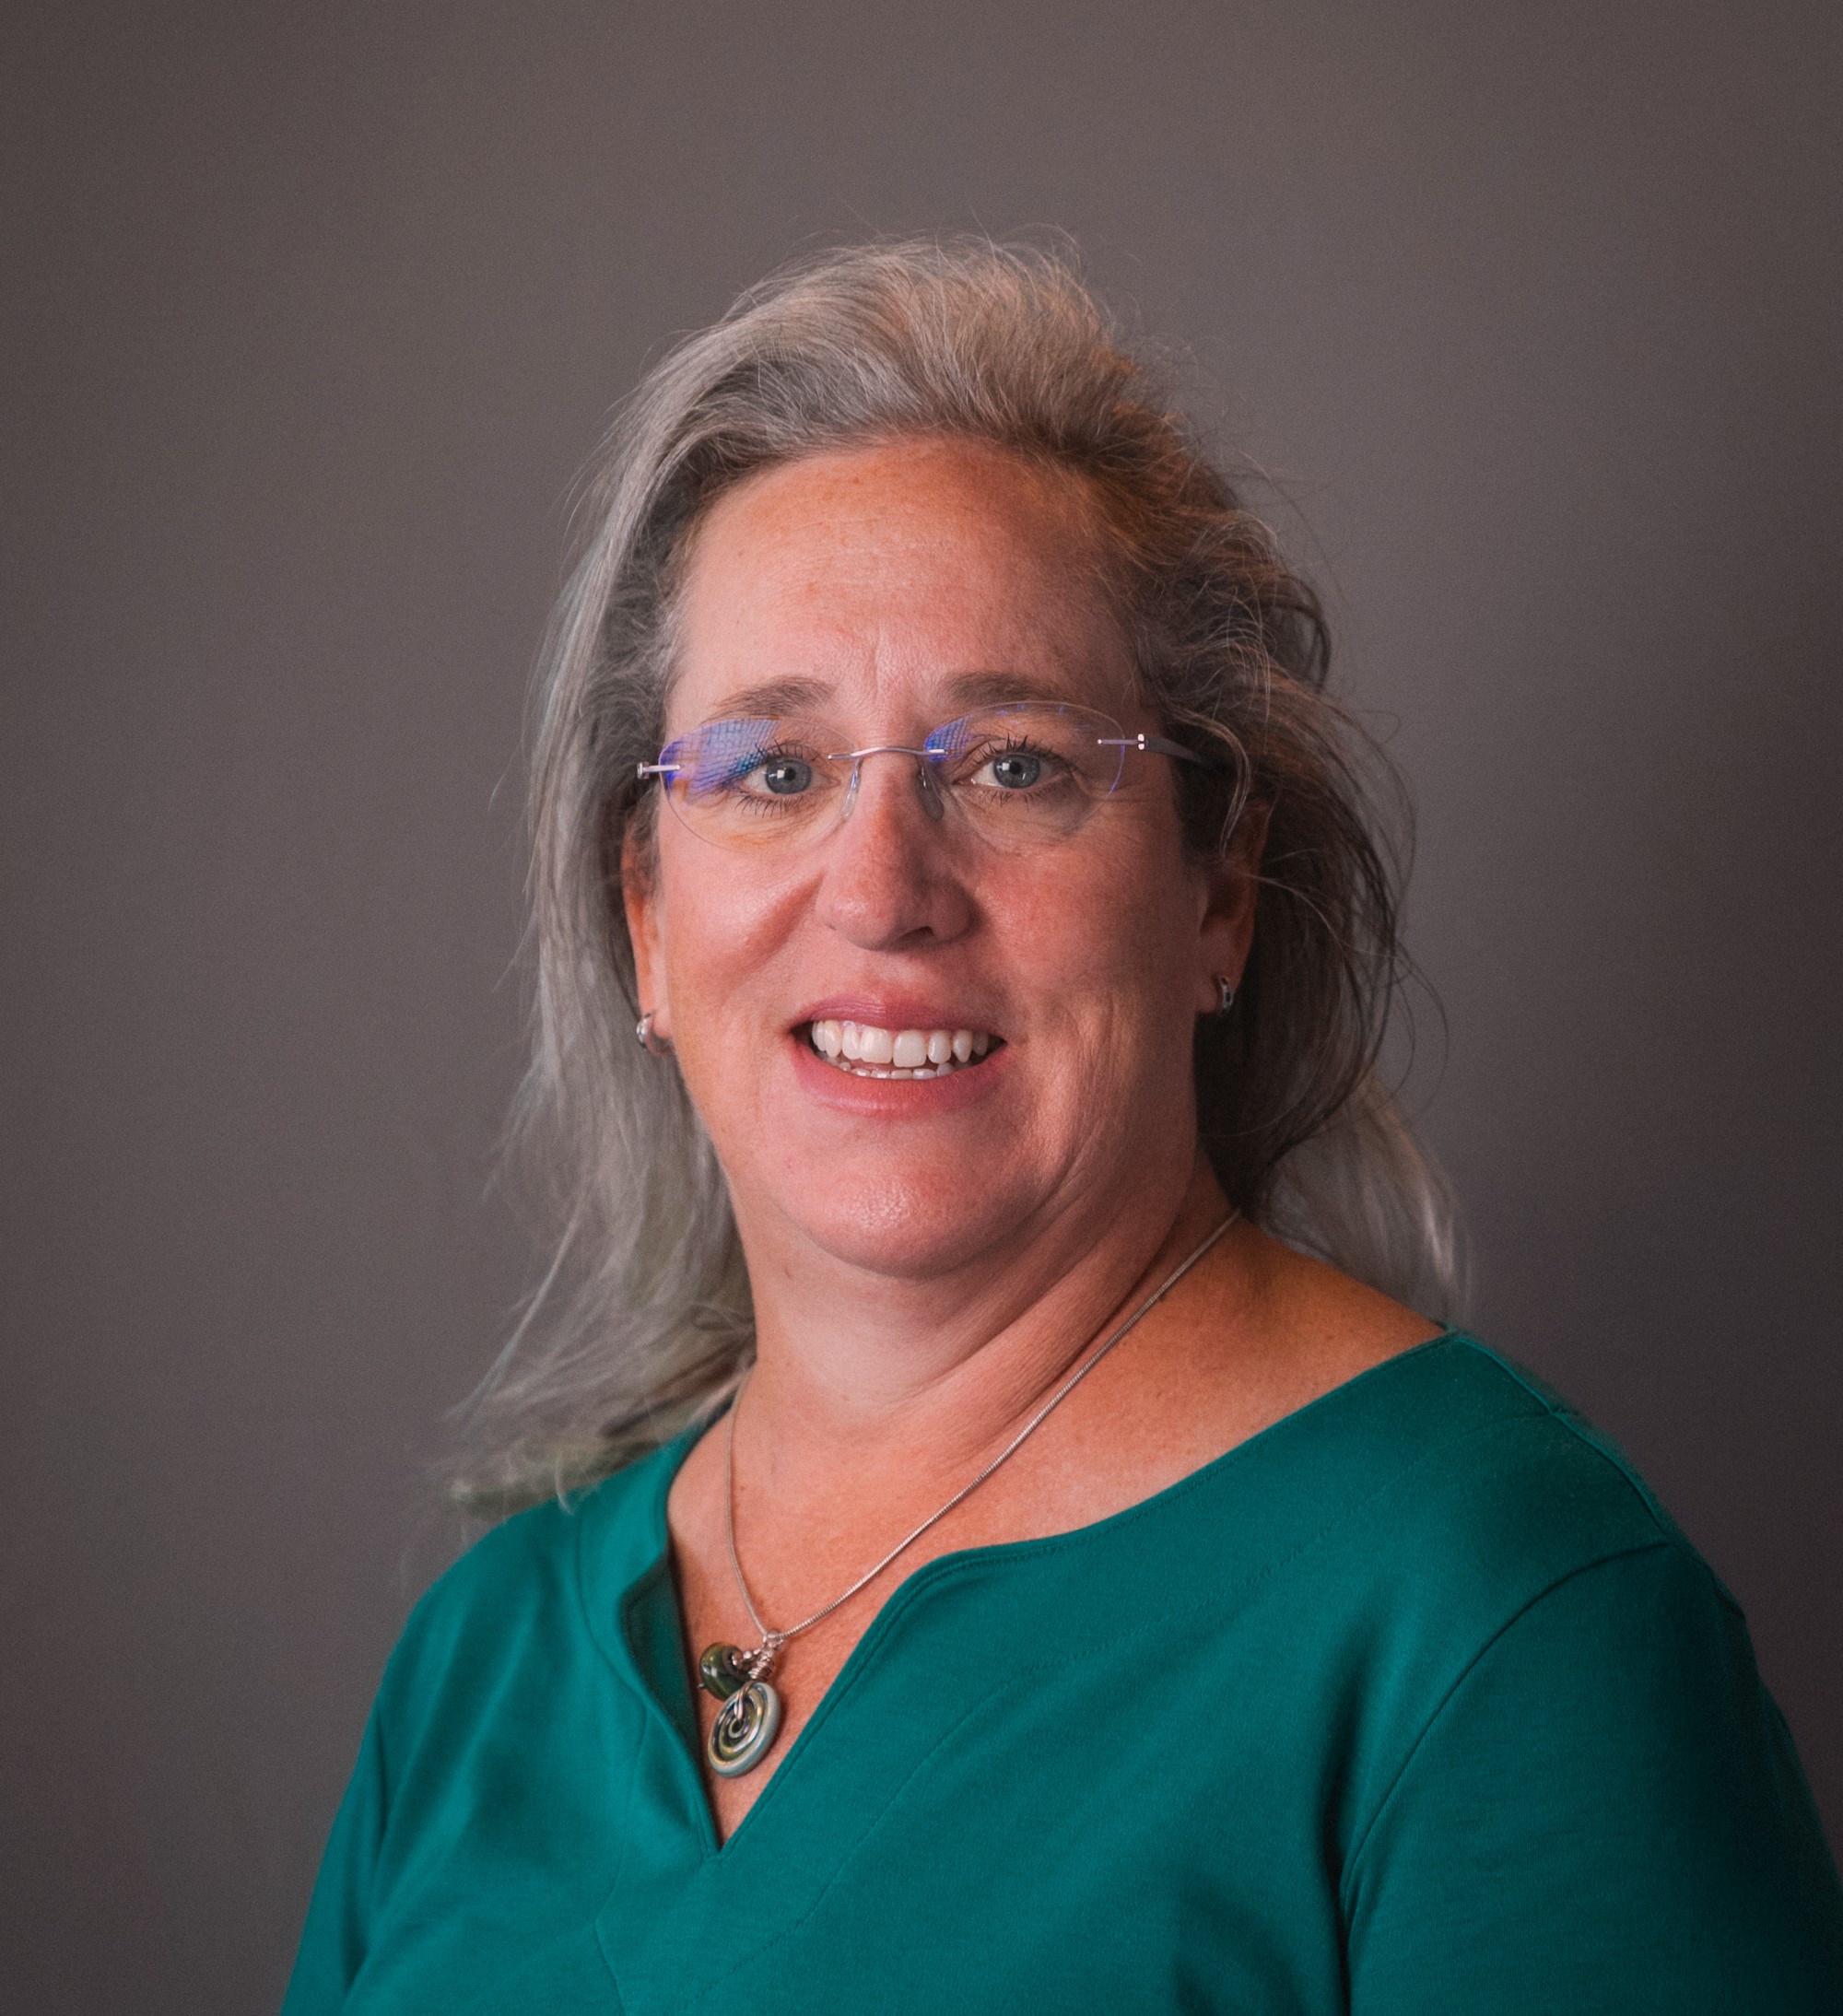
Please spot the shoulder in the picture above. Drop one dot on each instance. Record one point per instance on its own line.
(517, 1597)
(1451, 1495)
(1571, 1693)
(1501, 1481)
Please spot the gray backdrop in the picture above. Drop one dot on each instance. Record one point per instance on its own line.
(311, 314)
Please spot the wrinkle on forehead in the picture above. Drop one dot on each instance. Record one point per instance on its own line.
(899, 577)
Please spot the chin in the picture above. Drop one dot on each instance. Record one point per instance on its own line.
(906, 1226)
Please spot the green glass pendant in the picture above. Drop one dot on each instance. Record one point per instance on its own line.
(745, 1730)
(722, 1670)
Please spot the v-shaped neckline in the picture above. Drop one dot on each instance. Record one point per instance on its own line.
(675, 1703)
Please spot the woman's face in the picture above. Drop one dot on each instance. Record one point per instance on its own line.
(893, 585)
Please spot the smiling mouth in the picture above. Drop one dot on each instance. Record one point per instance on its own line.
(863, 1049)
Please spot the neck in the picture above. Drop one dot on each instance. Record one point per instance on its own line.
(858, 1373)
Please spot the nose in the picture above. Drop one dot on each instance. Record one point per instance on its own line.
(927, 789)
(889, 883)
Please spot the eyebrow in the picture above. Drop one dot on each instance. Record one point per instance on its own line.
(994, 688)
(775, 698)
(770, 700)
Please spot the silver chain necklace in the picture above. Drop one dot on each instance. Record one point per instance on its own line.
(749, 1720)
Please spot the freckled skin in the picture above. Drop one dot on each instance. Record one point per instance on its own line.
(923, 1275)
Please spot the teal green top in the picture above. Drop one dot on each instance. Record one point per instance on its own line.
(1415, 1703)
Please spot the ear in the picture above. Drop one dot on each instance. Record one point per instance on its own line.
(639, 899)
(1226, 917)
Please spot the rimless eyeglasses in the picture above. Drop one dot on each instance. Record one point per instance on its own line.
(1019, 776)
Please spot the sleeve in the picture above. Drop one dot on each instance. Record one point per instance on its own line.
(1605, 1814)
(334, 1939)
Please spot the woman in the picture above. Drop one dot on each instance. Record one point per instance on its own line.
(1001, 1533)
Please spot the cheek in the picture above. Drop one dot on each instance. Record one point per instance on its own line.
(1104, 941)
(718, 930)
(1106, 906)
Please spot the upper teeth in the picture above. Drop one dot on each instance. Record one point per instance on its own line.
(931, 1053)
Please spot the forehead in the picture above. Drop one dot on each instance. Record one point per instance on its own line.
(888, 577)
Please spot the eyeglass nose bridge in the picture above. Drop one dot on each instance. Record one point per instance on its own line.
(924, 776)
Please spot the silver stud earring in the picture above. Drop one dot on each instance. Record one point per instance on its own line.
(1228, 993)
(654, 1046)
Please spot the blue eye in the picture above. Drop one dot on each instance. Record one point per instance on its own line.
(1017, 769)
(786, 776)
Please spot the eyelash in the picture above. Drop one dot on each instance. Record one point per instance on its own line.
(1016, 745)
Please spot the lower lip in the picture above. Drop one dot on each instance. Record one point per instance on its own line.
(894, 1099)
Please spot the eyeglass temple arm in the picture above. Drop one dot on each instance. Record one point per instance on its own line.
(1159, 745)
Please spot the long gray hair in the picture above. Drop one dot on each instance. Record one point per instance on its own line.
(642, 1323)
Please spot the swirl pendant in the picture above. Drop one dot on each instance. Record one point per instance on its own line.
(745, 1730)
(749, 1720)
